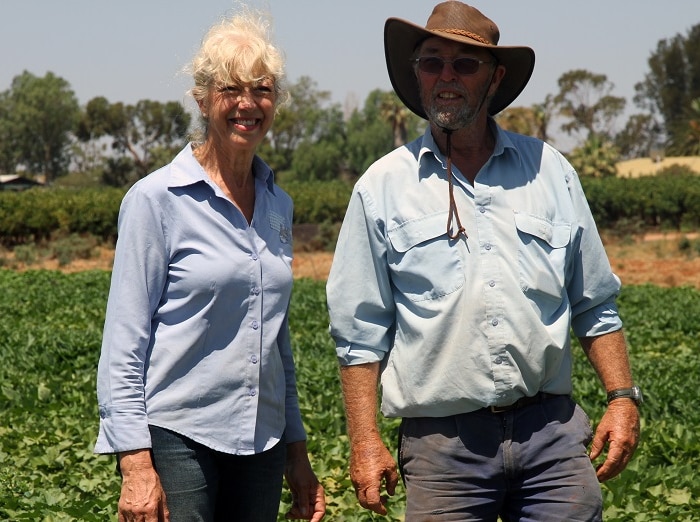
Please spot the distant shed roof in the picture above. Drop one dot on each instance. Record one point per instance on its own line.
(16, 182)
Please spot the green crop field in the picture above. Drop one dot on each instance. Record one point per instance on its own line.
(50, 330)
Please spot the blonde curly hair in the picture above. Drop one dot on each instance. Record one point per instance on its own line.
(238, 49)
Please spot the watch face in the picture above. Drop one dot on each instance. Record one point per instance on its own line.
(637, 393)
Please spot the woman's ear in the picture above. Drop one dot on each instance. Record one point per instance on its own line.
(203, 109)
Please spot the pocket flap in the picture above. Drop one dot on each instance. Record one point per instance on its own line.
(556, 235)
(417, 231)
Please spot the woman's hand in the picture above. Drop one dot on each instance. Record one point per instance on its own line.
(308, 498)
(142, 497)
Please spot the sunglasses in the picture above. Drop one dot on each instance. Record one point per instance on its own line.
(462, 66)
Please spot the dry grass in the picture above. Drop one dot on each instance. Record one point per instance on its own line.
(653, 258)
(657, 259)
(646, 167)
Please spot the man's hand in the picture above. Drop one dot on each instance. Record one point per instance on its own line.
(619, 430)
(308, 499)
(370, 465)
(619, 427)
(370, 461)
(142, 497)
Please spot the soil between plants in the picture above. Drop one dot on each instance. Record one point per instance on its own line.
(656, 259)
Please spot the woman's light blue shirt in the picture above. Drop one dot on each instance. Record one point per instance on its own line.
(196, 337)
(463, 324)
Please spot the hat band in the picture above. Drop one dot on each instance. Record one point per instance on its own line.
(468, 34)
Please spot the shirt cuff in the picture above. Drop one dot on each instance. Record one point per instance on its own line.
(351, 354)
(294, 429)
(122, 432)
(597, 321)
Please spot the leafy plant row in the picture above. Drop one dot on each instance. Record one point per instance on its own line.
(51, 331)
(39, 214)
(670, 201)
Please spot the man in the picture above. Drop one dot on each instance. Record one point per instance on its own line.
(464, 259)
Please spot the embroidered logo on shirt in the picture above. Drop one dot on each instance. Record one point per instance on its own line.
(278, 223)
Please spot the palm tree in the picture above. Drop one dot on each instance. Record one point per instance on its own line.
(392, 110)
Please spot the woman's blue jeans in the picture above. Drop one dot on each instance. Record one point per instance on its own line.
(525, 465)
(203, 485)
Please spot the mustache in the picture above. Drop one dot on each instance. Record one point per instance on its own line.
(450, 86)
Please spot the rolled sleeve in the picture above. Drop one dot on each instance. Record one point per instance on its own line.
(360, 300)
(593, 287)
(349, 354)
(597, 321)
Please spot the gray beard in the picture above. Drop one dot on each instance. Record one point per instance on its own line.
(452, 120)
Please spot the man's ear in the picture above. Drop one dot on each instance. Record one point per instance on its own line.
(498, 75)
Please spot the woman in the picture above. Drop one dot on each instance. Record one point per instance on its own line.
(196, 382)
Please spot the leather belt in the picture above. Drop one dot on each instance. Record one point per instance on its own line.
(521, 403)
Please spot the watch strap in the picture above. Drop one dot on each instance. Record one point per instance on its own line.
(633, 393)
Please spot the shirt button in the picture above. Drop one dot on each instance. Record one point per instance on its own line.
(487, 246)
(254, 257)
(498, 360)
(254, 325)
(494, 322)
(255, 291)
(482, 209)
(492, 283)
(254, 359)
(252, 393)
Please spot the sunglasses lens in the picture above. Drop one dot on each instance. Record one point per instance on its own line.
(431, 65)
(465, 65)
(434, 65)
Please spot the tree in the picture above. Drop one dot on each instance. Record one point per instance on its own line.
(691, 143)
(38, 115)
(584, 99)
(531, 121)
(321, 155)
(144, 136)
(378, 128)
(671, 85)
(397, 115)
(597, 158)
(295, 122)
(638, 138)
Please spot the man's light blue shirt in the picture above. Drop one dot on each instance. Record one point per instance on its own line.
(467, 323)
(196, 337)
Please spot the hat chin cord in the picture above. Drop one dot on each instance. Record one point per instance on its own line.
(453, 215)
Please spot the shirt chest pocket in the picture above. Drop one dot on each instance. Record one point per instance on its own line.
(425, 264)
(542, 255)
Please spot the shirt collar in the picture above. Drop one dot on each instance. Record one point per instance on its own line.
(503, 143)
(186, 170)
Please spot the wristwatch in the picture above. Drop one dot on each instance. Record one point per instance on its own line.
(634, 393)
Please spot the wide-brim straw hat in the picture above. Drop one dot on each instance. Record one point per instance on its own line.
(462, 23)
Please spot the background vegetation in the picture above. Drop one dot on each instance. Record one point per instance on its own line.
(51, 332)
(51, 322)
(79, 218)
(44, 131)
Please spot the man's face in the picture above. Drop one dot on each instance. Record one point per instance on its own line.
(452, 100)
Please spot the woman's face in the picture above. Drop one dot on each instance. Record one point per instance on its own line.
(240, 114)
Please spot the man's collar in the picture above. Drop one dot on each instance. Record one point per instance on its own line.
(502, 142)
